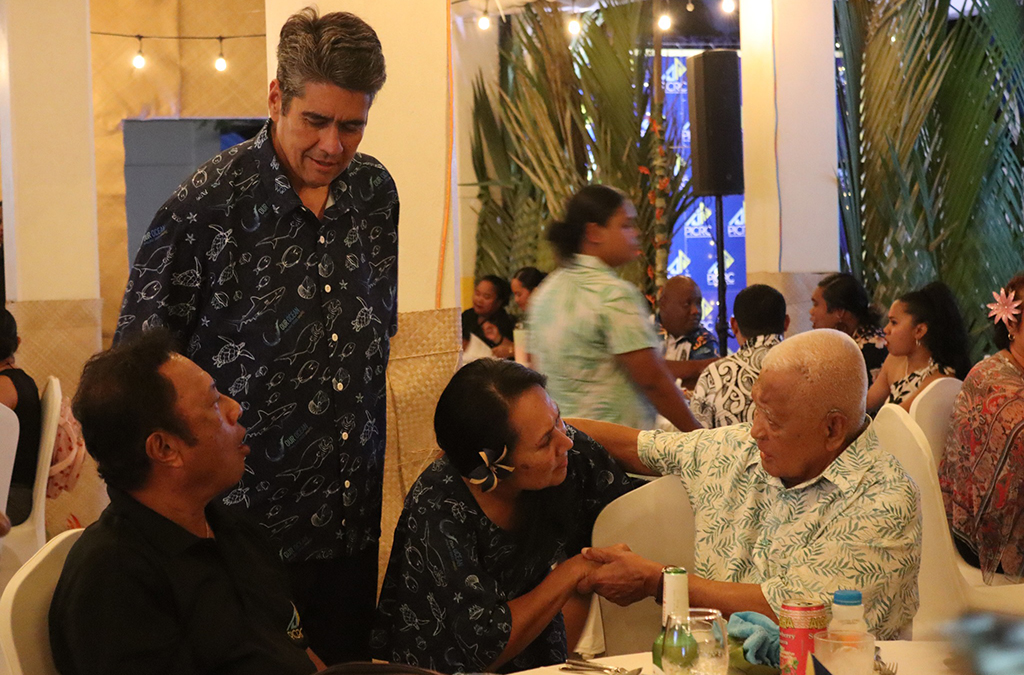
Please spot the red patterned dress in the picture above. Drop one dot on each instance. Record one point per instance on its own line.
(982, 469)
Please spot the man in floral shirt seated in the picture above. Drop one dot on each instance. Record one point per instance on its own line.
(800, 503)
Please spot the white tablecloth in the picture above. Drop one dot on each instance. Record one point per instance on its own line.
(913, 658)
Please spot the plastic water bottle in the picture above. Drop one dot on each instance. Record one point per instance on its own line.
(675, 600)
(847, 613)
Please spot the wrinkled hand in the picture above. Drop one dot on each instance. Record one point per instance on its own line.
(623, 577)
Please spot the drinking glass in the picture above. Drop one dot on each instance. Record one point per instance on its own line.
(696, 644)
(846, 653)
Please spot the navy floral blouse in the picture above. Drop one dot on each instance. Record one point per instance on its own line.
(444, 601)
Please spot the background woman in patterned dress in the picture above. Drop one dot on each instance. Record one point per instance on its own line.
(840, 302)
(982, 470)
(486, 555)
(926, 339)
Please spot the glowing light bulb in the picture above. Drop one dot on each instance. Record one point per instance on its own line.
(484, 22)
(139, 61)
(574, 26)
(728, 6)
(689, 6)
(664, 22)
(221, 63)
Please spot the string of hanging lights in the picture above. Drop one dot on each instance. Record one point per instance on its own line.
(574, 25)
(220, 63)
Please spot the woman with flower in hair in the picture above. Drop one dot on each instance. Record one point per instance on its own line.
(926, 340)
(485, 563)
(982, 470)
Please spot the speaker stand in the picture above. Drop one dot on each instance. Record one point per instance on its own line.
(722, 324)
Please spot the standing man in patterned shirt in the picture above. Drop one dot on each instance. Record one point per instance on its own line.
(275, 265)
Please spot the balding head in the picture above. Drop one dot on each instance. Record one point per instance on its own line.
(831, 367)
(809, 404)
(680, 306)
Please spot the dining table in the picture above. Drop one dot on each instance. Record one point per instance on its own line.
(910, 657)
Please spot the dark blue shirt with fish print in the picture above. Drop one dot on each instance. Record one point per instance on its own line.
(444, 600)
(292, 316)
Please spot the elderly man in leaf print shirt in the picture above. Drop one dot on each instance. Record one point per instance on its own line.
(798, 504)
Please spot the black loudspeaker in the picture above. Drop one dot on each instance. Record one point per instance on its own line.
(716, 140)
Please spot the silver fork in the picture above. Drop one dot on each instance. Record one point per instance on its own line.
(578, 665)
(883, 668)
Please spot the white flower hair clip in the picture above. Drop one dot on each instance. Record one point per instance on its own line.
(1005, 308)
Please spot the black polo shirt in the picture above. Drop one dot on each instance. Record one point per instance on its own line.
(140, 594)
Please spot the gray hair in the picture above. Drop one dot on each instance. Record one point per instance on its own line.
(832, 366)
(337, 48)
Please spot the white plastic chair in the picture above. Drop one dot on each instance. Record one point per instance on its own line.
(25, 539)
(655, 521)
(25, 609)
(9, 431)
(944, 592)
(932, 409)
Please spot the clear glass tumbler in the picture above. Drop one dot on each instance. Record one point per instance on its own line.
(846, 653)
(696, 644)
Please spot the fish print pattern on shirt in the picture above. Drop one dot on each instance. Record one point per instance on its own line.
(292, 316)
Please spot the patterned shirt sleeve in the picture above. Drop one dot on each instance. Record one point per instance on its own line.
(443, 610)
(702, 402)
(876, 549)
(684, 454)
(166, 282)
(625, 323)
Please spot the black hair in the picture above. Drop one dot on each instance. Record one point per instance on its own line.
(473, 413)
(1001, 332)
(936, 307)
(842, 291)
(529, 277)
(592, 204)
(501, 288)
(122, 398)
(760, 310)
(8, 334)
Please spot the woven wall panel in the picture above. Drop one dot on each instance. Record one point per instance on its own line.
(424, 355)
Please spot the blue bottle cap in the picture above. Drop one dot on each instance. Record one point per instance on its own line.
(847, 597)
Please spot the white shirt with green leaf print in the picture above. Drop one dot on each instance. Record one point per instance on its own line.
(856, 526)
(580, 318)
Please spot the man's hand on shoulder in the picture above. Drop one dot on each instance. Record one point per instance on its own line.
(623, 577)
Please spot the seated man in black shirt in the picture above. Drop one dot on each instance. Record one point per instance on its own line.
(168, 581)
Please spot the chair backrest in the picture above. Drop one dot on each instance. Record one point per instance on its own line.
(655, 521)
(940, 585)
(9, 431)
(932, 408)
(22, 542)
(25, 608)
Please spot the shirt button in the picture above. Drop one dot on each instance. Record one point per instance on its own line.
(344, 435)
(322, 240)
(348, 484)
(327, 288)
(342, 521)
(339, 386)
(334, 337)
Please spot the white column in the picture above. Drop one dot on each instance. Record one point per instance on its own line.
(788, 64)
(407, 131)
(49, 165)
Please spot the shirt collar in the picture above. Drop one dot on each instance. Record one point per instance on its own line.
(591, 262)
(762, 341)
(845, 472)
(160, 531)
(278, 186)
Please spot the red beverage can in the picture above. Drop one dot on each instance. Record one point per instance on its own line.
(799, 622)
